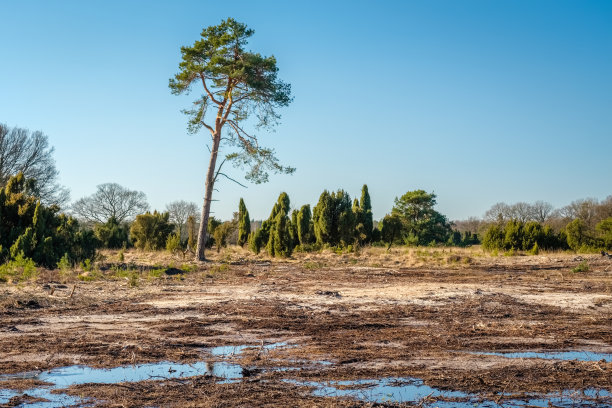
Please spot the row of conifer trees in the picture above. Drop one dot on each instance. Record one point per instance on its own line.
(335, 220)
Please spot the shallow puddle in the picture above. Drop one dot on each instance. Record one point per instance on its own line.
(73, 375)
(412, 390)
(555, 355)
(54, 400)
(393, 390)
(67, 376)
(380, 390)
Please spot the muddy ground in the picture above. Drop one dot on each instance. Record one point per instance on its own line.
(424, 315)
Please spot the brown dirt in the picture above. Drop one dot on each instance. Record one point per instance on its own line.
(408, 313)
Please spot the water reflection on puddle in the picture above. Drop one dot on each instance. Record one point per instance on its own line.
(555, 355)
(380, 390)
(67, 376)
(74, 375)
(398, 390)
(391, 390)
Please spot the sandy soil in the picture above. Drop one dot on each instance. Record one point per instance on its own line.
(420, 314)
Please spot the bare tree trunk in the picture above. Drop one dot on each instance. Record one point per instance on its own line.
(210, 182)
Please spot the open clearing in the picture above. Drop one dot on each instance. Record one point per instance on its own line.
(426, 327)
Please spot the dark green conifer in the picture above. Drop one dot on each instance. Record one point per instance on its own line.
(244, 223)
(304, 225)
(367, 219)
(323, 218)
(280, 240)
(360, 235)
(333, 219)
(293, 228)
(32, 230)
(275, 232)
(346, 219)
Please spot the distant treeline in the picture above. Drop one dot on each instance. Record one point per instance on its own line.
(115, 217)
(583, 225)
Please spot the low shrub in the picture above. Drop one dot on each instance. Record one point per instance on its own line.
(20, 269)
(150, 231)
(581, 267)
(36, 231)
(173, 244)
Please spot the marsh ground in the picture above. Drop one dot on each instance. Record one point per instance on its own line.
(406, 314)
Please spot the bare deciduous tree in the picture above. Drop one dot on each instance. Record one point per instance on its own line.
(29, 153)
(521, 211)
(472, 224)
(605, 208)
(584, 209)
(500, 212)
(111, 201)
(541, 211)
(179, 212)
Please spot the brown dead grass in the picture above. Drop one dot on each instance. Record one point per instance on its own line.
(407, 312)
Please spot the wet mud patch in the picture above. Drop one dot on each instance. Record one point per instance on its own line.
(401, 322)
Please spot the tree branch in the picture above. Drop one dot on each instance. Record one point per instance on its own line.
(210, 95)
(238, 129)
(208, 127)
(228, 177)
(228, 108)
(219, 170)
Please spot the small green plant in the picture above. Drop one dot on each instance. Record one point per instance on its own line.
(121, 256)
(64, 265)
(157, 272)
(173, 244)
(90, 276)
(582, 267)
(510, 252)
(87, 265)
(219, 268)
(133, 279)
(312, 266)
(19, 269)
(535, 250)
(188, 267)
(121, 273)
(453, 259)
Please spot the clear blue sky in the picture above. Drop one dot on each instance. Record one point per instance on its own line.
(477, 101)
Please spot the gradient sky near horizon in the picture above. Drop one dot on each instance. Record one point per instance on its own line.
(478, 101)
